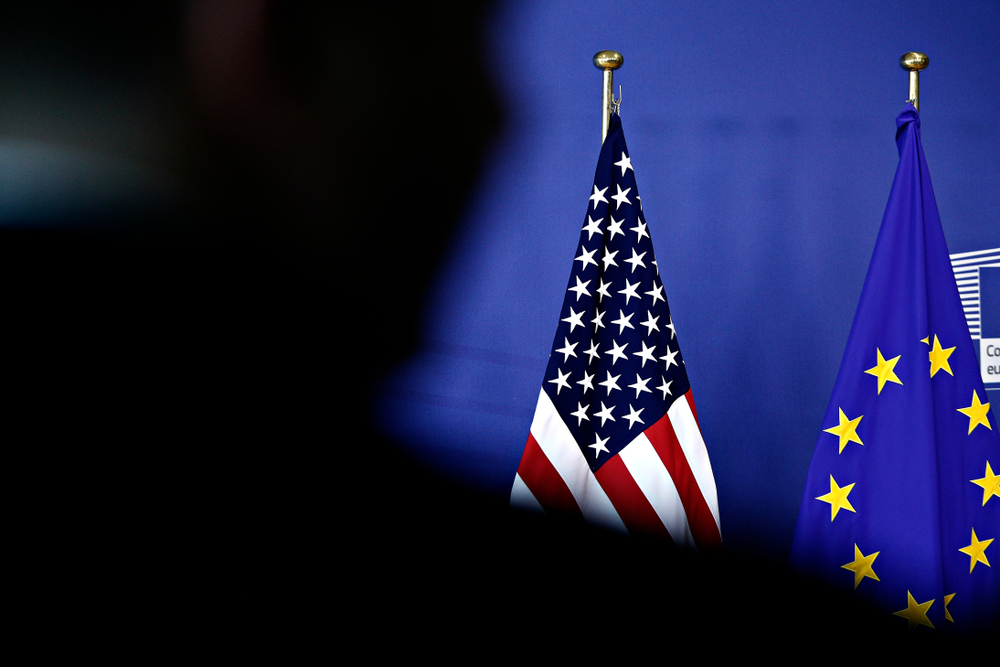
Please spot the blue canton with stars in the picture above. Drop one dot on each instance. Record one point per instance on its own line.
(615, 367)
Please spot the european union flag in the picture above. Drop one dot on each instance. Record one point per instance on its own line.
(902, 502)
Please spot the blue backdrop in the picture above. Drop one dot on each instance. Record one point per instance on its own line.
(762, 136)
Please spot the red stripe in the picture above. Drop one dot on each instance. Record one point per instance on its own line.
(544, 482)
(703, 527)
(690, 399)
(636, 512)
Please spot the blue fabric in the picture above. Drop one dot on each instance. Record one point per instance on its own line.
(913, 499)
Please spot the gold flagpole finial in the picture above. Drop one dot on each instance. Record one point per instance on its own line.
(913, 62)
(608, 61)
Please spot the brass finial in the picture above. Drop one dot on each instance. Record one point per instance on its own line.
(608, 61)
(908, 61)
(913, 62)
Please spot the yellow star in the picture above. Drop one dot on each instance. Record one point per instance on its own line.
(862, 566)
(884, 370)
(926, 340)
(947, 614)
(915, 614)
(846, 430)
(976, 551)
(990, 484)
(837, 498)
(939, 357)
(976, 413)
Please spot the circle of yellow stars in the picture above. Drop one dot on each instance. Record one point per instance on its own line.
(846, 431)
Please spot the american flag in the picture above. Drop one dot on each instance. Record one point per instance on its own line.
(615, 439)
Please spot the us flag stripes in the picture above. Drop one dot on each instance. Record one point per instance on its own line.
(615, 439)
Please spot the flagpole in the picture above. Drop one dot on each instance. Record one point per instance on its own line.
(913, 62)
(608, 61)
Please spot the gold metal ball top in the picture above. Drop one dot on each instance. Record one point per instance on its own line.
(608, 60)
(913, 61)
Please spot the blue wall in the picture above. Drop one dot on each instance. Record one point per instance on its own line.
(762, 136)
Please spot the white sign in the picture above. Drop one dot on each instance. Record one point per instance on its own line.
(989, 360)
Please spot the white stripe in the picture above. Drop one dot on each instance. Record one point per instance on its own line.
(689, 437)
(649, 473)
(976, 261)
(964, 273)
(521, 497)
(958, 255)
(556, 441)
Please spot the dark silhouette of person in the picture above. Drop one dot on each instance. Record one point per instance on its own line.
(188, 368)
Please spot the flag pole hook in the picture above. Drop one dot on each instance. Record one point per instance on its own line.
(608, 61)
(913, 62)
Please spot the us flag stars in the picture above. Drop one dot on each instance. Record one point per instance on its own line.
(631, 350)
